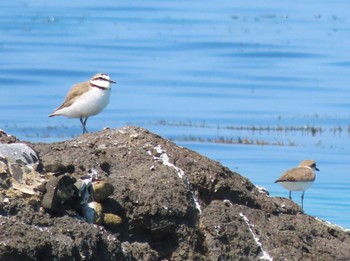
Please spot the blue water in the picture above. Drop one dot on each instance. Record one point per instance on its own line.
(194, 72)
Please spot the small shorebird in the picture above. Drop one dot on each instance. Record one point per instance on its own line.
(299, 178)
(86, 99)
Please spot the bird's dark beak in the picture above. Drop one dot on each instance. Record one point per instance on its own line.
(317, 169)
(111, 81)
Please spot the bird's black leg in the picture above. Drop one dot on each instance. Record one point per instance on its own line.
(302, 201)
(86, 131)
(290, 194)
(83, 122)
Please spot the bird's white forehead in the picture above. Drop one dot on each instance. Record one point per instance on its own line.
(100, 76)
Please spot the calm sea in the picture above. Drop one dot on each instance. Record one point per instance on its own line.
(256, 85)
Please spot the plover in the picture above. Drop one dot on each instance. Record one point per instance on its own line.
(86, 99)
(299, 178)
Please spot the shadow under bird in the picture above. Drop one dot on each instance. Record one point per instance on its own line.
(299, 178)
(86, 99)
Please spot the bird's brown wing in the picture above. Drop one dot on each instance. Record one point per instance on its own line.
(77, 90)
(297, 174)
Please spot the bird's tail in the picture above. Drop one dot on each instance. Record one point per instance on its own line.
(53, 114)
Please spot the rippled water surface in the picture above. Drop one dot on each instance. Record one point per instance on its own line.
(256, 85)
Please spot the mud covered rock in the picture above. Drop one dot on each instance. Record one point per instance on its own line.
(174, 204)
(58, 190)
(27, 234)
(6, 138)
(139, 251)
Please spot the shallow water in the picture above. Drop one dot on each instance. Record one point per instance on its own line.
(194, 72)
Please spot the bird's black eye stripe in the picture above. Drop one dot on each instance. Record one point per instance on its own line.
(100, 78)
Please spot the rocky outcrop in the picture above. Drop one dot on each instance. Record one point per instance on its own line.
(170, 202)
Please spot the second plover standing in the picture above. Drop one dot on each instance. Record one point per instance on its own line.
(299, 178)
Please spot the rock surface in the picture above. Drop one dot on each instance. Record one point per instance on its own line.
(174, 204)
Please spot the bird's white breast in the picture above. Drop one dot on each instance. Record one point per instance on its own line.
(296, 185)
(89, 103)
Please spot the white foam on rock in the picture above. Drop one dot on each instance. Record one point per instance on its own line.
(164, 158)
(263, 255)
(331, 225)
(262, 190)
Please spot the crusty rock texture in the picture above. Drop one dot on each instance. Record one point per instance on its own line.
(173, 204)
